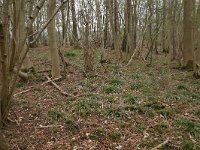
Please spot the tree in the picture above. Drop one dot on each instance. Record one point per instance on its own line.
(88, 52)
(188, 34)
(197, 50)
(52, 40)
(75, 30)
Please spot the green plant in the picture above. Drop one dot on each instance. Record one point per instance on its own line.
(172, 96)
(151, 98)
(136, 86)
(189, 126)
(91, 95)
(108, 90)
(188, 145)
(139, 127)
(117, 113)
(155, 105)
(20, 84)
(98, 133)
(167, 112)
(141, 109)
(115, 82)
(181, 86)
(136, 76)
(70, 54)
(130, 99)
(85, 107)
(114, 135)
(160, 128)
(110, 99)
(56, 115)
(197, 113)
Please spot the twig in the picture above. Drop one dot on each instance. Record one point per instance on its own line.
(161, 145)
(22, 92)
(49, 126)
(46, 82)
(59, 88)
(31, 88)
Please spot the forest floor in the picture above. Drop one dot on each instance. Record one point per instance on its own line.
(137, 107)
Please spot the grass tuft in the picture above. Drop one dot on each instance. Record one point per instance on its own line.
(56, 115)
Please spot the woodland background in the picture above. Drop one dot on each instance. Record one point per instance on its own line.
(99, 74)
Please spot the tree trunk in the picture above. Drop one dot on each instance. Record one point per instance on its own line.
(88, 52)
(5, 76)
(75, 31)
(197, 50)
(188, 34)
(164, 26)
(52, 40)
(99, 29)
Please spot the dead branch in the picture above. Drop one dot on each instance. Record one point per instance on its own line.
(22, 92)
(161, 145)
(50, 126)
(59, 88)
(138, 47)
(31, 88)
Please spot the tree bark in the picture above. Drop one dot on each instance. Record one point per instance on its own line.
(75, 30)
(52, 40)
(188, 34)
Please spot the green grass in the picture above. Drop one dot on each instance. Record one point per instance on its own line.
(160, 128)
(136, 76)
(116, 113)
(130, 99)
(109, 89)
(197, 112)
(189, 145)
(98, 133)
(56, 115)
(20, 84)
(189, 126)
(115, 82)
(167, 112)
(136, 86)
(155, 105)
(181, 86)
(86, 106)
(70, 54)
(115, 135)
(172, 96)
(140, 127)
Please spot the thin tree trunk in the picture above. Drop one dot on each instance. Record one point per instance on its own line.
(75, 30)
(52, 40)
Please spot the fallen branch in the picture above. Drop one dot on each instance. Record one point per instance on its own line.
(50, 126)
(46, 82)
(59, 88)
(31, 88)
(161, 145)
(22, 92)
